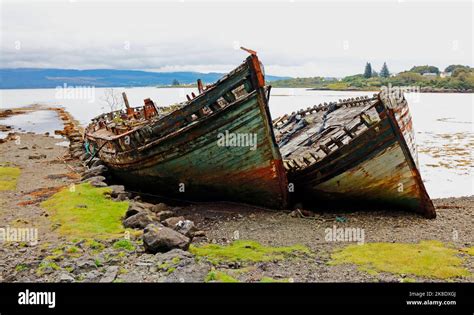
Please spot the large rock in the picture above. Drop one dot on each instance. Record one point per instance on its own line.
(91, 276)
(181, 225)
(159, 207)
(66, 278)
(116, 189)
(135, 207)
(98, 178)
(95, 162)
(172, 255)
(141, 205)
(119, 193)
(138, 221)
(122, 197)
(163, 215)
(96, 181)
(171, 222)
(110, 274)
(185, 227)
(85, 263)
(158, 238)
(133, 276)
(98, 184)
(193, 272)
(94, 171)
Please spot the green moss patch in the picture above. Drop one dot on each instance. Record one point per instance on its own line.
(72, 250)
(21, 267)
(46, 266)
(427, 259)
(246, 251)
(271, 280)
(9, 177)
(219, 276)
(86, 212)
(94, 245)
(166, 267)
(468, 250)
(407, 280)
(124, 244)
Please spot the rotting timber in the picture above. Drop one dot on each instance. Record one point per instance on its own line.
(176, 152)
(354, 151)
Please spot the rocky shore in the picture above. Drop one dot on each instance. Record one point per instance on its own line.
(190, 243)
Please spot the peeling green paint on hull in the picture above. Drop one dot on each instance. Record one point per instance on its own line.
(179, 155)
(198, 167)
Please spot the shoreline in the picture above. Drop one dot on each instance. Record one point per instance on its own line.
(376, 91)
(423, 89)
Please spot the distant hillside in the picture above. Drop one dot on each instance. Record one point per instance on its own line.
(28, 78)
(455, 78)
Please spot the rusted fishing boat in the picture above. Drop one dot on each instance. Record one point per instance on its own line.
(354, 151)
(218, 145)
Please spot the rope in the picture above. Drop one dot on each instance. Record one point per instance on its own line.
(95, 153)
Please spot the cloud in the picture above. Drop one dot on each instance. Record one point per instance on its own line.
(296, 39)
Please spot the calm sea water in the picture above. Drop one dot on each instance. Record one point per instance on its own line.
(443, 123)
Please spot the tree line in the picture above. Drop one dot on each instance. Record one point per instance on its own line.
(369, 72)
(455, 77)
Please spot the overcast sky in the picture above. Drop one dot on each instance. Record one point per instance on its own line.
(293, 38)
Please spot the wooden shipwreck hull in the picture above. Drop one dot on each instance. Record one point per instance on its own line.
(180, 154)
(356, 151)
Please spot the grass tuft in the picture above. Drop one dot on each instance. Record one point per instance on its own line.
(94, 245)
(21, 267)
(124, 244)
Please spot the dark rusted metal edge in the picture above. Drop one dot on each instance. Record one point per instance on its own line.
(253, 68)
